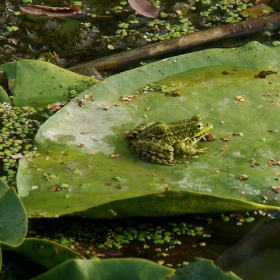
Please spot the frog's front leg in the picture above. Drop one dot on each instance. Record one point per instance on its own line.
(154, 151)
(187, 147)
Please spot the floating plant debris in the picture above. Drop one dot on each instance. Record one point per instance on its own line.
(254, 163)
(50, 11)
(240, 98)
(224, 148)
(128, 97)
(210, 137)
(144, 8)
(57, 105)
(224, 139)
(172, 94)
(81, 102)
(276, 189)
(263, 74)
(242, 177)
(273, 162)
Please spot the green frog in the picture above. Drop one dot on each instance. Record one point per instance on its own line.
(160, 142)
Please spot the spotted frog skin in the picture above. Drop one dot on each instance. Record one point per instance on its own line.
(160, 142)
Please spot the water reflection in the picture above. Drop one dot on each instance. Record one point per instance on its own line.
(256, 256)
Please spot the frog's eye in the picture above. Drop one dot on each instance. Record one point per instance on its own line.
(199, 125)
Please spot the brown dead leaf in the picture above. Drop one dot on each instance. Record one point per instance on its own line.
(268, 94)
(254, 163)
(210, 137)
(57, 105)
(89, 97)
(128, 97)
(106, 107)
(273, 162)
(240, 98)
(263, 74)
(55, 189)
(17, 156)
(114, 155)
(224, 148)
(144, 8)
(276, 189)
(50, 11)
(237, 134)
(82, 102)
(13, 41)
(166, 188)
(242, 177)
(225, 139)
(172, 94)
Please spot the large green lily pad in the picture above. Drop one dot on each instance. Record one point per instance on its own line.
(138, 269)
(37, 83)
(78, 170)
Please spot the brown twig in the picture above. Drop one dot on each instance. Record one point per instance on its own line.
(269, 22)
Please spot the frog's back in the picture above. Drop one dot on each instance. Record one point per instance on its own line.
(140, 129)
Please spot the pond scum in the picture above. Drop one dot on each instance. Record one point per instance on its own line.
(18, 128)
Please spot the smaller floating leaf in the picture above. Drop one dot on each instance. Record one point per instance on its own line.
(144, 8)
(13, 221)
(55, 84)
(50, 11)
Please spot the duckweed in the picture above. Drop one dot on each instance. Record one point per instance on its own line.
(127, 238)
(116, 27)
(174, 21)
(145, 233)
(76, 171)
(226, 218)
(64, 186)
(17, 130)
(249, 219)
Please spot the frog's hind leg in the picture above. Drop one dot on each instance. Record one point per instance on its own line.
(153, 151)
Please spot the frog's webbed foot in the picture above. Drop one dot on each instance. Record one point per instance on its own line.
(188, 149)
(201, 151)
(153, 151)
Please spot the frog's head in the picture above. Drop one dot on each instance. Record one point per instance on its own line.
(199, 128)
